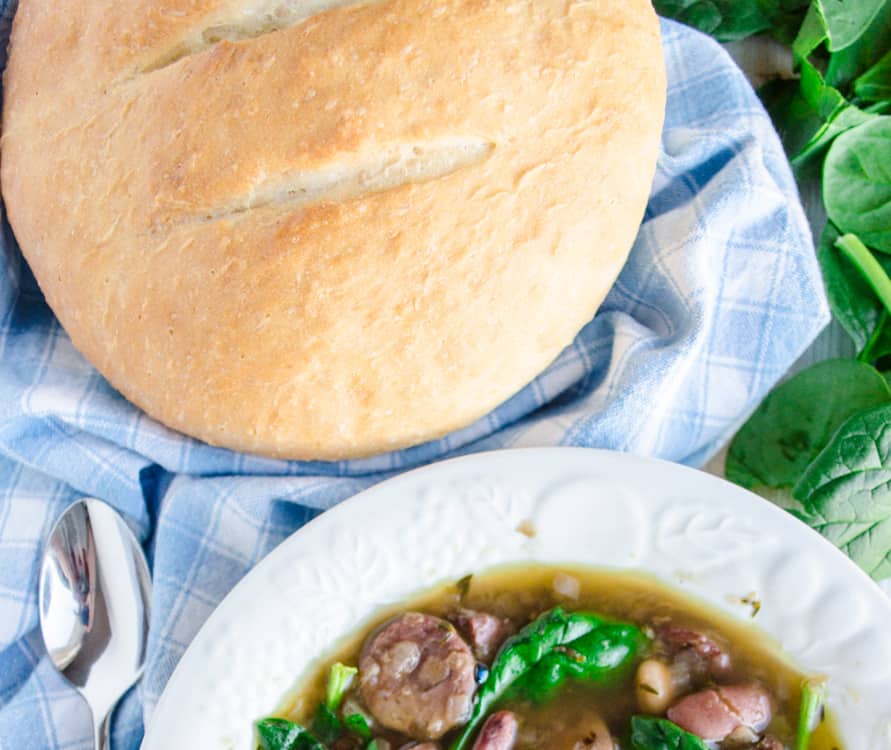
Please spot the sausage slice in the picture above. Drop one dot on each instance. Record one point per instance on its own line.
(485, 631)
(416, 675)
(715, 661)
(498, 733)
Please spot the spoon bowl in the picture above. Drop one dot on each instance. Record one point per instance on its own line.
(94, 599)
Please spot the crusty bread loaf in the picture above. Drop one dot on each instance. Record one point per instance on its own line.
(321, 229)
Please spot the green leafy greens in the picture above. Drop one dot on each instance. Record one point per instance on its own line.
(549, 650)
(857, 182)
(845, 493)
(875, 84)
(339, 680)
(281, 734)
(845, 21)
(813, 695)
(650, 733)
(819, 444)
(795, 422)
(327, 727)
(728, 20)
(853, 302)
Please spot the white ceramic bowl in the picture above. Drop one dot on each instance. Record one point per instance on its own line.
(695, 532)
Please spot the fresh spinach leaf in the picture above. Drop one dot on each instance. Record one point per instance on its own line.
(878, 347)
(825, 100)
(845, 65)
(724, 19)
(857, 182)
(875, 84)
(847, 21)
(834, 112)
(845, 117)
(845, 493)
(810, 713)
(650, 733)
(729, 20)
(552, 633)
(795, 422)
(794, 119)
(868, 266)
(853, 302)
(809, 114)
(281, 734)
(786, 17)
(811, 34)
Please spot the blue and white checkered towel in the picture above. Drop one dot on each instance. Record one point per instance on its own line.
(720, 296)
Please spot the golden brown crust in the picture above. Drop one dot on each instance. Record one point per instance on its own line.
(154, 209)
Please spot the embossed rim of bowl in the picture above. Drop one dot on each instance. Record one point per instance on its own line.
(693, 531)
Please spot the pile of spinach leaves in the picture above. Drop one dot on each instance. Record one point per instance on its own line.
(820, 444)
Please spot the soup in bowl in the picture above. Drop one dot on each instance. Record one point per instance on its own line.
(620, 569)
(556, 657)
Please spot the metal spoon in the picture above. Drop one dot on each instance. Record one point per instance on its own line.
(94, 597)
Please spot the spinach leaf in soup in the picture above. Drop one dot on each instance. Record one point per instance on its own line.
(597, 657)
(340, 678)
(857, 182)
(281, 734)
(845, 493)
(650, 733)
(810, 714)
(601, 648)
(796, 421)
(326, 725)
(358, 725)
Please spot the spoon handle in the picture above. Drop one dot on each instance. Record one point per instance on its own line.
(101, 740)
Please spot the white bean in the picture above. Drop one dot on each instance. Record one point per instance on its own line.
(567, 585)
(654, 686)
(597, 736)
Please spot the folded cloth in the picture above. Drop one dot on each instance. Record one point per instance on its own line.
(719, 297)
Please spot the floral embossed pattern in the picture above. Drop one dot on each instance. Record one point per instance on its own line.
(695, 532)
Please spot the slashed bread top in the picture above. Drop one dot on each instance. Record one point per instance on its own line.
(320, 229)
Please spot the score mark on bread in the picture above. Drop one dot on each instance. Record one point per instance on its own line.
(240, 21)
(386, 169)
(355, 228)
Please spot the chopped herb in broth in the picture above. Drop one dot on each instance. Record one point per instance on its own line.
(543, 657)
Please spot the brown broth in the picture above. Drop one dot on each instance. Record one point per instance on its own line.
(523, 592)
